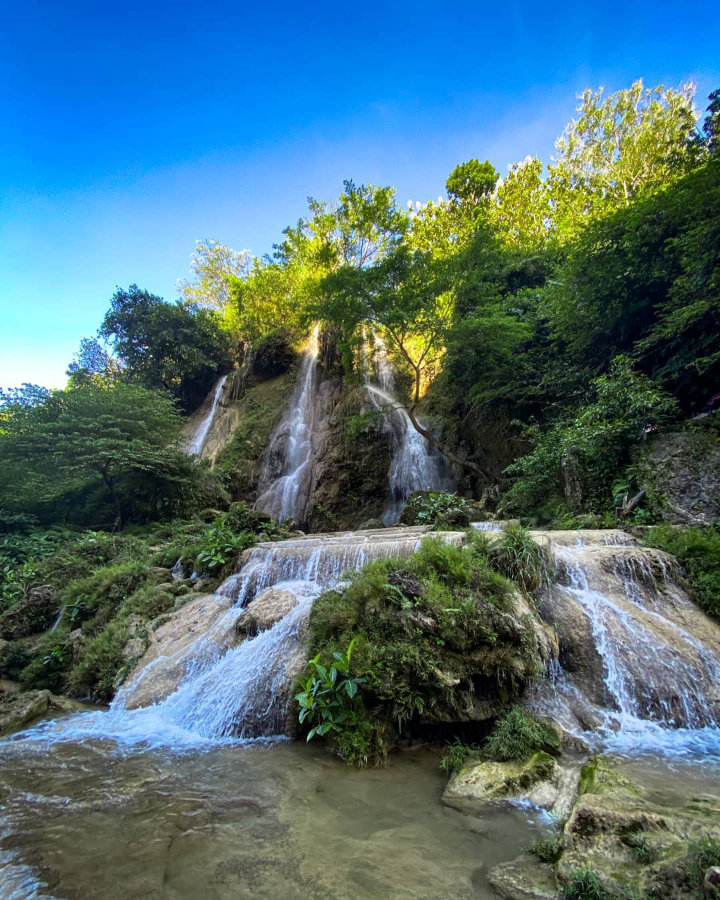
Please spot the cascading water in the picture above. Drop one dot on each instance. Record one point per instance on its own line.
(285, 485)
(197, 442)
(206, 689)
(415, 465)
(640, 666)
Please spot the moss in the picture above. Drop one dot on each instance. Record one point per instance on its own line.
(430, 633)
(257, 414)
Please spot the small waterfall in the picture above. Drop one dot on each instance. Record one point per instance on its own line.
(285, 485)
(196, 444)
(415, 465)
(206, 685)
(640, 663)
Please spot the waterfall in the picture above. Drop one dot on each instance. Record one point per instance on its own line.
(204, 685)
(197, 441)
(285, 485)
(415, 465)
(639, 663)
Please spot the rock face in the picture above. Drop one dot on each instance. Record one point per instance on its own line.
(265, 610)
(174, 647)
(684, 470)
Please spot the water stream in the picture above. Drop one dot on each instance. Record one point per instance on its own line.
(198, 439)
(415, 464)
(286, 482)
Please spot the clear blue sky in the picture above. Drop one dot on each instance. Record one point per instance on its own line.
(129, 131)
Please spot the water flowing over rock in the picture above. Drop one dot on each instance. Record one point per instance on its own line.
(415, 465)
(203, 421)
(285, 484)
(225, 664)
(639, 663)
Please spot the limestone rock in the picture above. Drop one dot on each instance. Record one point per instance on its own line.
(684, 469)
(265, 610)
(491, 780)
(21, 709)
(173, 648)
(524, 880)
(711, 883)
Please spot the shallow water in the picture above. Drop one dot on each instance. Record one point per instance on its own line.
(101, 820)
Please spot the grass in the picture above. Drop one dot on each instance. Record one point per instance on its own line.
(517, 735)
(517, 556)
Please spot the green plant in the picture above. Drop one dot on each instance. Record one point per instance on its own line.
(455, 755)
(702, 853)
(329, 700)
(640, 847)
(517, 735)
(517, 556)
(219, 546)
(585, 884)
(547, 850)
(424, 508)
(698, 549)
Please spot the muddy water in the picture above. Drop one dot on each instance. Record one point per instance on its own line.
(92, 820)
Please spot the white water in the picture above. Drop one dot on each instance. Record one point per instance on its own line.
(661, 680)
(196, 444)
(415, 465)
(287, 493)
(242, 692)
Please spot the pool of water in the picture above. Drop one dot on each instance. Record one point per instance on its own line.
(99, 819)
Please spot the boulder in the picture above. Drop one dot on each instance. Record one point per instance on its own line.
(524, 879)
(265, 610)
(481, 781)
(456, 517)
(21, 709)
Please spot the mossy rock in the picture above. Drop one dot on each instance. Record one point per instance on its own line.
(490, 780)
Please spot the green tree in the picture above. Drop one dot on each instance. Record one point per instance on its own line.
(471, 182)
(213, 266)
(123, 436)
(173, 346)
(637, 138)
(521, 213)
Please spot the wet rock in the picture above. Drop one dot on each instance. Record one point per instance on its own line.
(524, 880)
(173, 647)
(22, 709)
(478, 782)
(410, 585)
(265, 610)
(457, 518)
(370, 524)
(29, 616)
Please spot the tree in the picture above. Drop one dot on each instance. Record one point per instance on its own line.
(406, 298)
(711, 126)
(123, 436)
(472, 182)
(637, 138)
(92, 361)
(213, 266)
(521, 213)
(174, 346)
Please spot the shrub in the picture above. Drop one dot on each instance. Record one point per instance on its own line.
(455, 756)
(698, 549)
(426, 507)
(517, 556)
(220, 546)
(101, 664)
(517, 735)
(547, 850)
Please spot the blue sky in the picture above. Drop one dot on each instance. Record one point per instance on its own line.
(129, 132)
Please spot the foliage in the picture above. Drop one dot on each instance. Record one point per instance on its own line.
(519, 557)
(220, 546)
(180, 348)
(585, 884)
(471, 182)
(698, 550)
(455, 755)
(597, 441)
(120, 437)
(547, 850)
(426, 634)
(329, 701)
(517, 735)
(425, 507)
(213, 266)
(702, 853)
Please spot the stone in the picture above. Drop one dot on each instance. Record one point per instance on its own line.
(524, 880)
(480, 782)
(269, 607)
(711, 882)
(370, 524)
(456, 517)
(21, 709)
(173, 647)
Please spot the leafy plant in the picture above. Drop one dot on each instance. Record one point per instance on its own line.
(219, 546)
(455, 755)
(329, 700)
(547, 850)
(517, 735)
(698, 549)
(519, 557)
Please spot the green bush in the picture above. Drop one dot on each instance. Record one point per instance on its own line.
(101, 664)
(698, 550)
(547, 850)
(517, 735)
(455, 755)
(426, 507)
(517, 556)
